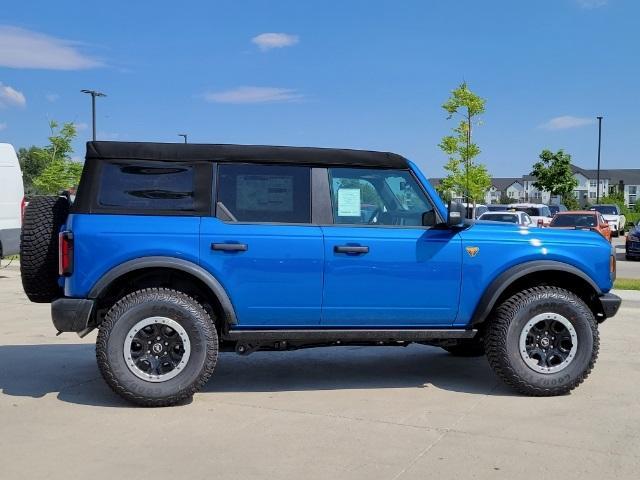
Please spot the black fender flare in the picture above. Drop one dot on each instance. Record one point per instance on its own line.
(506, 278)
(173, 263)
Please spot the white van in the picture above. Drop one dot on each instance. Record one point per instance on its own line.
(11, 201)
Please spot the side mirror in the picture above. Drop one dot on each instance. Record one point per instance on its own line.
(456, 214)
(429, 218)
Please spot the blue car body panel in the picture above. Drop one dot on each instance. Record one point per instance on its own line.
(277, 281)
(390, 285)
(502, 246)
(102, 242)
(290, 275)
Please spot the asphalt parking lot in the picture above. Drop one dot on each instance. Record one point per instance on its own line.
(344, 413)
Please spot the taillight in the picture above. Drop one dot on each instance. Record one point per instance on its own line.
(65, 253)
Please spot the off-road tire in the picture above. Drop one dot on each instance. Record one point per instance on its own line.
(466, 348)
(502, 341)
(43, 218)
(146, 303)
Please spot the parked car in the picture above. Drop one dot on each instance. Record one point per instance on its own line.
(480, 209)
(11, 201)
(614, 217)
(497, 208)
(557, 208)
(519, 218)
(582, 220)
(632, 245)
(175, 252)
(539, 212)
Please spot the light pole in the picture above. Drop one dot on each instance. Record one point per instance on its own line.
(93, 94)
(183, 135)
(598, 174)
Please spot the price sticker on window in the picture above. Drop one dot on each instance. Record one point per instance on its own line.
(349, 203)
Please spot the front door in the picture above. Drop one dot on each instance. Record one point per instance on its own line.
(382, 267)
(262, 247)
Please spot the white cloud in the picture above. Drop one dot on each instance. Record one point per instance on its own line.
(10, 97)
(254, 95)
(267, 41)
(80, 126)
(592, 3)
(52, 97)
(567, 121)
(3, 125)
(20, 48)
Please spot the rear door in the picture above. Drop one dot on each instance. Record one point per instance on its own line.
(262, 247)
(382, 267)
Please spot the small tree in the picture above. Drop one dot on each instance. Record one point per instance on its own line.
(60, 172)
(475, 178)
(32, 163)
(553, 174)
(465, 176)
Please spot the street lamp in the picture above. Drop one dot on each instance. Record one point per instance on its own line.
(93, 94)
(598, 174)
(183, 135)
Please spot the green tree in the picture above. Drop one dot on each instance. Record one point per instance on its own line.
(60, 172)
(553, 174)
(32, 163)
(464, 176)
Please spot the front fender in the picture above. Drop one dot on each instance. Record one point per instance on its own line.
(498, 286)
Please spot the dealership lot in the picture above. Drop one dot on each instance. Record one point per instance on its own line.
(325, 413)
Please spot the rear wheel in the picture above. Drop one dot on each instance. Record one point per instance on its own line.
(543, 341)
(157, 347)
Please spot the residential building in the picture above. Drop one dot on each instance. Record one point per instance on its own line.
(521, 189)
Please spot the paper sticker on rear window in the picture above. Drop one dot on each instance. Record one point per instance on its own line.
(349, 204)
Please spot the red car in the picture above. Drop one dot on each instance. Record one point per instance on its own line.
(582, 220)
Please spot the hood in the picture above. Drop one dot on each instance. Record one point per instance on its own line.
(612, 218)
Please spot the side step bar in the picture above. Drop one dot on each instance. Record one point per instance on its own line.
(340, 335)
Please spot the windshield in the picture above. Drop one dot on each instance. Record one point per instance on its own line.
(606, 209)
(574, 220)
(500, 217)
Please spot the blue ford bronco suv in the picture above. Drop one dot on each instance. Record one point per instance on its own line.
(175, 252)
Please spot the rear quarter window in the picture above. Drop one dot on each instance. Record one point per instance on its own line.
(148, 187)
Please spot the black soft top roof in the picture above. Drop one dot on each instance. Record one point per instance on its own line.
(242, 153)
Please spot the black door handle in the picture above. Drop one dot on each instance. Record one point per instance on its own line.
(230, 247)
(350, 249)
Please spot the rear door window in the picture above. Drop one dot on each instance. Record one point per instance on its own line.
(264, 193)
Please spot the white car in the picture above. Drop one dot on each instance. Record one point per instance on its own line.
(518, 218)
(613, 216)
(11, 201)
(538, 212)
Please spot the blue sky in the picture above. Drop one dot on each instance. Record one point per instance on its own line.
(360, 74)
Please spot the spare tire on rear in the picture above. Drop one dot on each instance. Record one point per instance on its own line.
(43, 218)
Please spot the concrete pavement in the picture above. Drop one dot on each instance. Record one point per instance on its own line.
(343, 413)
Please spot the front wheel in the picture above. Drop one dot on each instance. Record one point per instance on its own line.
(543, 341)
(157, 347)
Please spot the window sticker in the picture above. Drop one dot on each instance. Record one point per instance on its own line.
(349, 203)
